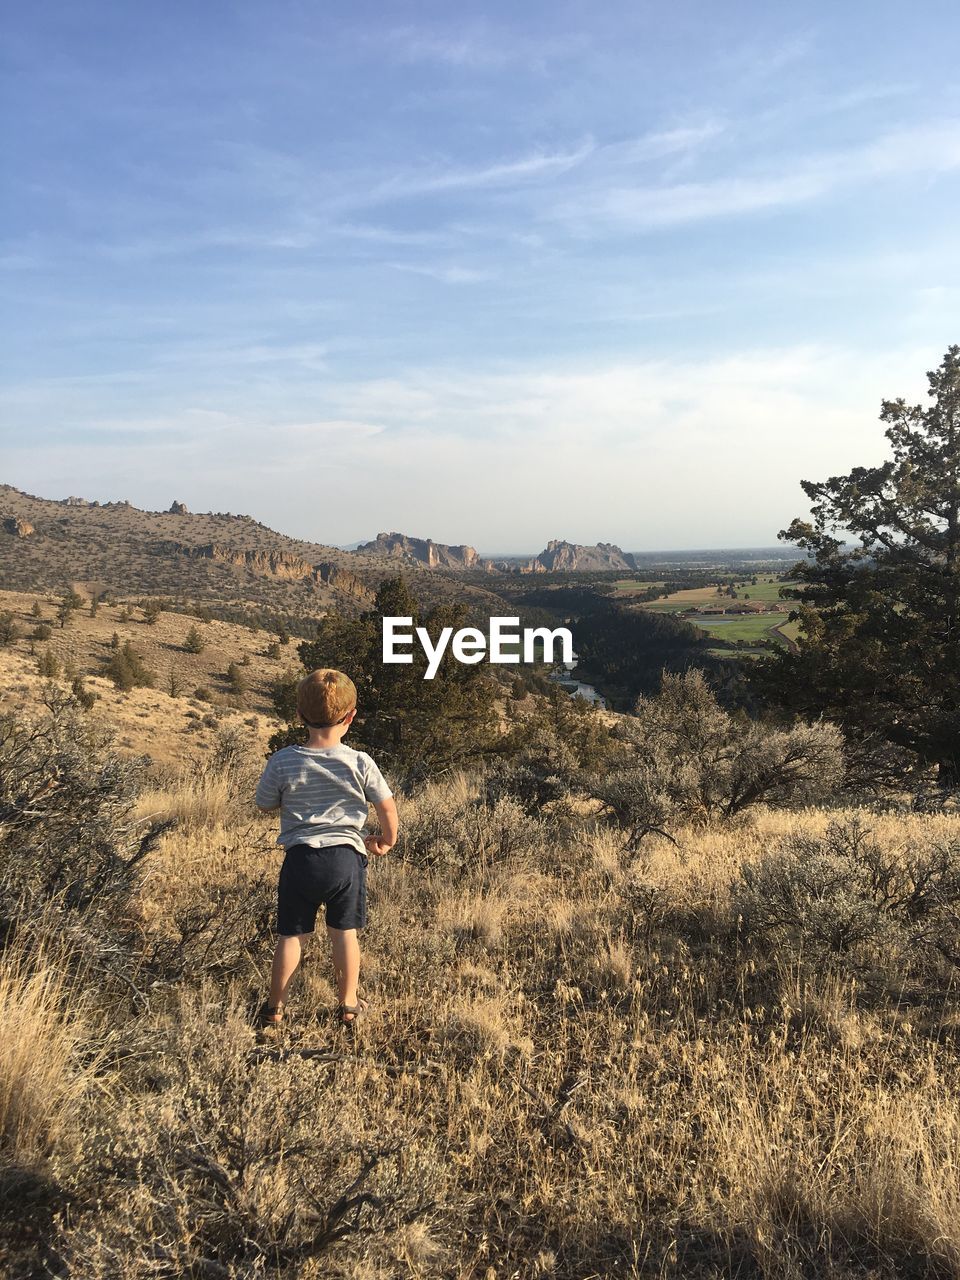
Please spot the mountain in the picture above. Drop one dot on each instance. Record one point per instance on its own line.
(218, 557)
(559, 557)
(423, 551)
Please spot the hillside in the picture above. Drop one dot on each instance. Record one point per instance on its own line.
(168, 722)
(215, 557)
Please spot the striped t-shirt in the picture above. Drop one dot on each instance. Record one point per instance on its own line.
(322, 793)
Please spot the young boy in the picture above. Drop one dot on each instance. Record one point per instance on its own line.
(322, 790)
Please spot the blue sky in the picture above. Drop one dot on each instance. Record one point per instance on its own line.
(619, 271)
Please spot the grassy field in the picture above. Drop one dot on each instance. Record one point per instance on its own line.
(630, 586)
(575, 1066)
(745, 627)
(766, 589)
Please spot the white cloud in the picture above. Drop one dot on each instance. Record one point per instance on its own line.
(647, 453)
(536, 165)
(932, 148)
(446, 274)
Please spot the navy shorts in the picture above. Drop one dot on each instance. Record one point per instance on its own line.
(334, 876)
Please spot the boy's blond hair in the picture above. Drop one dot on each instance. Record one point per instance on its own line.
(325, 697)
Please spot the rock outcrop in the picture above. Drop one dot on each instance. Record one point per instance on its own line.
(274, 564)
(423, 551)
(564, 557)
(178, 509)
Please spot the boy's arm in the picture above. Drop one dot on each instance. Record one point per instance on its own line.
(267, 797)
(386, 811)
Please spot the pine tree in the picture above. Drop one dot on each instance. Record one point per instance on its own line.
(411, 723)
(48, 665)
(9, 631)
(880, 622)
(194, 642)
(237, 681)
(127, 670)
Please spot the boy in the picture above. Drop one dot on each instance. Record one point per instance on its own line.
(322, 790)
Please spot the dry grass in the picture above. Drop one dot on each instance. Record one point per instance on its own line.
(46, 1062)
(568, 1071)
(168, 728)
(198, 801)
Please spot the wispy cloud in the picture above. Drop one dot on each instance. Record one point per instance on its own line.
(446, 274)
(539, 164)
(932, 149)
(430, 444)
(478, 47)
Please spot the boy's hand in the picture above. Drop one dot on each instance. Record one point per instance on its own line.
(376, 845)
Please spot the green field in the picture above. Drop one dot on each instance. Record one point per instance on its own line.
(766, 589)
(627, 586)
(729, 628)
(745, 628)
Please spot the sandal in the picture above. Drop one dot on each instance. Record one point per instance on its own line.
(269, 1016)
(356, 1012)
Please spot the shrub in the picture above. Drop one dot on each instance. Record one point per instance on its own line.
(42, 631)
(127, 671)
(236, 681)
(152, 610)
(9, 631)
(175, 683)
(283, 694)
(844, 901)
(454, 824)
(706, 763)
(83, 695)
(194, 642)
(48, 665)
(247, 1168)
(67, 835)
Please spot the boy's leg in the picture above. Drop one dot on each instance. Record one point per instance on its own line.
(346, 962)
(286, 958)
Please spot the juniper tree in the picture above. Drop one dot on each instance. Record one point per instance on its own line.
(127, 670)
(48, 665)
(70, 601)
(879, 644)
(194, 642)
(237, 681)
(413, 724)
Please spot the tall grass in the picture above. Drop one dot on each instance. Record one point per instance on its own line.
(47, 1063)
(578, 1063)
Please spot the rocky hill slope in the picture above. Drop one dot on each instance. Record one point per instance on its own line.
(214, 557)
